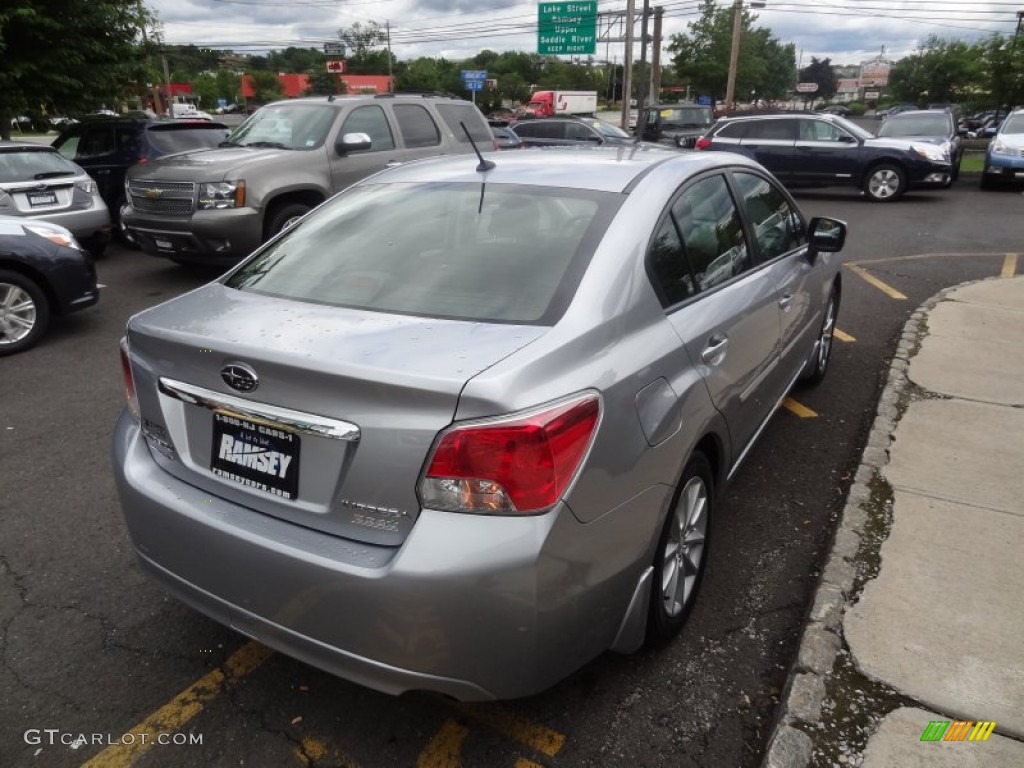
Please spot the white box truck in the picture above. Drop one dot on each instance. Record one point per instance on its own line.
(554, 103)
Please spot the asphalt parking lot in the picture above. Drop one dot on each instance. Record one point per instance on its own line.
(100, 668)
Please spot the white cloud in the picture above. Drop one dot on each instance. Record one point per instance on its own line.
(837, 29)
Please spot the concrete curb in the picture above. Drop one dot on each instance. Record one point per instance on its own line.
(791, 744)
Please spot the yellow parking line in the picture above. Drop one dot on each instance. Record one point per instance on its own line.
(1009, 265)
(445, 749)
(175, 714)
(800, 410)
(514, 726)
(843, 336)
(888, 290)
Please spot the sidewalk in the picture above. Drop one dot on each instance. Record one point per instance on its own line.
(919, 616)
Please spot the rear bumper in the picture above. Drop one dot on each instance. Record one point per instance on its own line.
(474, 607)
(89, 224)
(220, 237)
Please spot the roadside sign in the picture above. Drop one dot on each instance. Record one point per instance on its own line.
(473, 75)
(336, 66)
(704, 101)
(807, 87)
(474, 85)
(567, 28)
(334, 49)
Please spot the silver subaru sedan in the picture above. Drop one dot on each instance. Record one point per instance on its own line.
(466, 426)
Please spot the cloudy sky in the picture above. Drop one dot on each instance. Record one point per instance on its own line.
(846, 31)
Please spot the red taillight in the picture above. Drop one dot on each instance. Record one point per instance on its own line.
(142, 159)
(520, 464)
(129, 379)
(702, 143)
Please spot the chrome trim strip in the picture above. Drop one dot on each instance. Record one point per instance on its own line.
(269, 415)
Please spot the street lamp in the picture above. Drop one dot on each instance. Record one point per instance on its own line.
(734, 53)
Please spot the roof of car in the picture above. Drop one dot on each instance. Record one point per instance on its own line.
(350, 97)
(606, 169)
(13, 145)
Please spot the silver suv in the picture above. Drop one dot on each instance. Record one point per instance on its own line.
(216, 206)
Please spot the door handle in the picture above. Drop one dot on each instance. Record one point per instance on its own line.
(715, 350)
(786, 301)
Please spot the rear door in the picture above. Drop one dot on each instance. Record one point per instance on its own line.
(722, 306)
(421, 135)
(770, 141)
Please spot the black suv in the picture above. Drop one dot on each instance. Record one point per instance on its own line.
(812, 149)
(107, 146)
(555, 131)
(677, 124)
(938, 126)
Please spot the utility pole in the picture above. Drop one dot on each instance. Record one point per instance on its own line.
(627, 67)
(656, 57)
(391, 77)
(643, 90)
(734, 51)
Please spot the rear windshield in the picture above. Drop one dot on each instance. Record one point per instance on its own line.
(467, 251)
(35, 165)
(916, 125)
(187, 136)
(686, 117)
(454, 114)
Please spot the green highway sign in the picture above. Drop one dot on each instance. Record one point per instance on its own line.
(567, 28)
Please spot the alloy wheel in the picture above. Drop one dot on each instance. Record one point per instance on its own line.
(684, 547)
(17, 313)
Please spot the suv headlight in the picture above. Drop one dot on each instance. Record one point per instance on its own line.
(999, 148)
(221, 194)
(931, 152)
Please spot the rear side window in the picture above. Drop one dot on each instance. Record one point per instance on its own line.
(772, 130)
(541, 129)
(454, 114)
(500, 253)
(97, 141)
(417, 127)
(732, 131)
(183, 138)
(580, 132)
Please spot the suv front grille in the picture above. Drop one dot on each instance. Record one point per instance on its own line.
(154, 196)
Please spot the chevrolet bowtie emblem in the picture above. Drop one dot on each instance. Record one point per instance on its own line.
(153, 194)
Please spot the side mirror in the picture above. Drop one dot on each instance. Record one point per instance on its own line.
(825, 236)
(353, 142)
(847, 139)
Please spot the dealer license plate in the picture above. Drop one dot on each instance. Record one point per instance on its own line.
(45, 197)
(256, 455)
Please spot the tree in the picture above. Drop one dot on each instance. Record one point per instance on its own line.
(701, 57)
(103, 49)
(324, 83)
(363, 42)
(265, 85)
(939, 71)
(822, 74)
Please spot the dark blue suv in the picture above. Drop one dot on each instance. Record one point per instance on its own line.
(811, 149)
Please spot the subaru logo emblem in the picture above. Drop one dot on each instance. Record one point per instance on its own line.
(240, 377)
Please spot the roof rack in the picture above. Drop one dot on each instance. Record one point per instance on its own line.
(421, 94)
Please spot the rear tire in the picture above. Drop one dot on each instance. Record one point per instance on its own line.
(680, 560)
(24, 312)
(885, 182)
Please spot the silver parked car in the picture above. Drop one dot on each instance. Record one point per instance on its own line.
(464, 427)
(37, 182)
